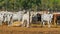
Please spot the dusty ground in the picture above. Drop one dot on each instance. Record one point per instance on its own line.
(4, 29)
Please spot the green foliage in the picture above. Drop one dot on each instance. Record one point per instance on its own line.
(30, 4)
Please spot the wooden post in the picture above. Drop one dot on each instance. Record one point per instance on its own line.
(29, 17)
(55, 19)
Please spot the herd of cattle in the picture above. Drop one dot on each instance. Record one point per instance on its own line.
(23, 16)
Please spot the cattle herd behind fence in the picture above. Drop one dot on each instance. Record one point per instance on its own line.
(23, 16)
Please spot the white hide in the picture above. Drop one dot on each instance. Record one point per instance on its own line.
(46, 17)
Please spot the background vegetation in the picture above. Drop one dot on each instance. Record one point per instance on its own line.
(29, 4)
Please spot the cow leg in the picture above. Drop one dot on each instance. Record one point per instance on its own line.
(48, 24)
(43, 23)
(23, 23)
(27, 23)
(18, 19)
(30, 19)
(5, 20)
(8, 23)
(50, 21)
(11, 21)
(0, 22)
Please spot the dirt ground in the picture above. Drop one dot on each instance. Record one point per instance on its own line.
(4, 29)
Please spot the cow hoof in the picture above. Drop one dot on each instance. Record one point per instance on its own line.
(9, 25)
(1, 24)
(22, 26)
(28, 27)
(48, 26)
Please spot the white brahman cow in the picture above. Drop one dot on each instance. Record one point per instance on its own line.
(1, 18)
(27, 17)
(46, 17)
(17, 16)
(9, 18)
